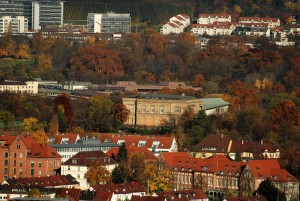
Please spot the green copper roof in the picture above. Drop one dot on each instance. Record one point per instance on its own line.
(163, 96)
(210, 103)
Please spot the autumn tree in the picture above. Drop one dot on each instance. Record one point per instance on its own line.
(40, 137)
(198, 81)
(97, 174)
(187, 118)
(54, 125)
(63, 103)
(34, 193)
(157, 43)
(158, 176)
(120, 113)
(99, 114)
(137, 166)
(181, 138)
(32, 124)
(23, 51)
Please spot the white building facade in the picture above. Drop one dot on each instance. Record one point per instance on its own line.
(176, 24)
(24, 85)
(109, 22)
(211, 18)
(18, 24)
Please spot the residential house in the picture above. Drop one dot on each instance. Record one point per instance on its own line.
(222, 144)
(176, 24)
(78, 165)
(253, 31)
(26, 85)
(153, 143)
(23, 157)
(188, 195)
(116, 192)
(153, 110)
(211, 18)
(257, 171)
(273, 22)
(148, 155)
(83, 144)
(214, 29)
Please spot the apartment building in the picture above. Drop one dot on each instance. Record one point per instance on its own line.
(27, 85)
(38, 12)
(176, 24)
(211, 18)
(18, 24)
(272, 22)
(23, 157)
(109, 22)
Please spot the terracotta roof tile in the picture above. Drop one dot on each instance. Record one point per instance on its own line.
(124, 188)
(281, 175)
(214, 144)
(42, 151)
(262, 168)
(168, 157)
(147, 198)
(69, 138)
(149, 156)
(103, 196)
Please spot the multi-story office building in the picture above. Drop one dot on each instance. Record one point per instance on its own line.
(18, 24)
(109, 22)
(39, 13)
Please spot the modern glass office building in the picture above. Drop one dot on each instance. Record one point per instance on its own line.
(39, 13)
(109, 22)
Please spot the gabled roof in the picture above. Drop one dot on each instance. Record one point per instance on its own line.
(71, 193)
(103, 196)
(57, 180)
(259, 19)
(210, 103)
(42, 151)
(214, 144)
(262, 168)
(149, 156)
(134, 140)
(85, 158)
(125, 188)
(281, 175)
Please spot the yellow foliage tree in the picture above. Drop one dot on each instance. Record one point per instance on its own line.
(40, 137)
(23, 52)
(97, 174)
(32, 124)
(44, 62)
(158, 177)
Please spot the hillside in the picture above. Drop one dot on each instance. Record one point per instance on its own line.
(155, 12)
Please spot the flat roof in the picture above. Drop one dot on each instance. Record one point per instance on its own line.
(163, 97)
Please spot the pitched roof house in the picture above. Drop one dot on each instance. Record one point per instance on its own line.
(181, 195)
(153, 143)
(78, 165)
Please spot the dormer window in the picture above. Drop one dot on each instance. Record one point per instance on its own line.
(74, 161)
(142, 143)
(120, 142)
(155, 143)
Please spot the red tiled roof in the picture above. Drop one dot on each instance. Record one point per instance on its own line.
(71, 193)
(184, 15)
(28, 140)
(168, 157)
(103, 196)
(70, 136)
(262, 168)
(42, 151)
(149, 156)
(192, 194)
(84, 158)
(124, 188)
(281, 175)
(172, 25)
(147, 198)
(214, 144)
(133, 140)
(57, 180)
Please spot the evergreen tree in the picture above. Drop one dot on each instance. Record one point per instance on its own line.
(269, 191)
(122, 155)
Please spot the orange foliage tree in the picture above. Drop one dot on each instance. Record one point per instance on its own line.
(40, 137)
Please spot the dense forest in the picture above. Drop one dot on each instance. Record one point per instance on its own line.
(159, 11)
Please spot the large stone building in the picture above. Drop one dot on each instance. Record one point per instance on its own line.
(26, 85)
(109, 22)
(154, 109)
(38, 12)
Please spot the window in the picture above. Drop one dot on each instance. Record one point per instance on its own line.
(40, 164)
(143, 108)
(15, 155)
(152, 109)
(177, 109)
(40, 172)
(5, 162)
(21, 171)
(6, 155)
(161, 109)
(78, 176)
(32, 164)
(21, 163)
(15, 163)
(15, 171)
(32, 171)
(141, 143)
(5, 170)
(69, 168)
(18, 146)
(21, 155)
